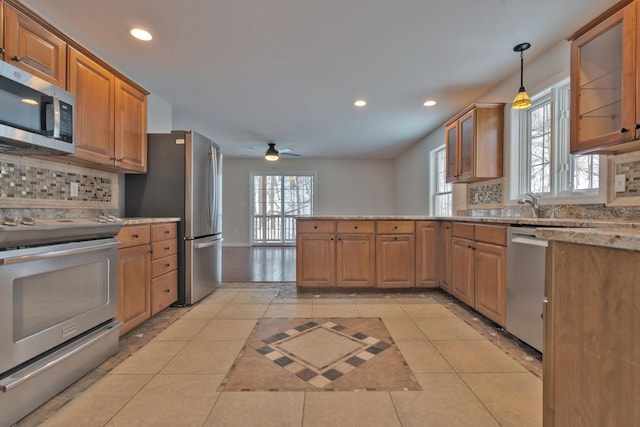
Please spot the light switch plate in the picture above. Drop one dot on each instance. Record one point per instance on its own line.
(74, 189)
(620, 182)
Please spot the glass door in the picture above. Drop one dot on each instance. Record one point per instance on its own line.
(277, 200)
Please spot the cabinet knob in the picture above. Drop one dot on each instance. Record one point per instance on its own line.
(315, 227)
(167, 265)
(395, 238)
(135, 236)
(355, 226)
(1, 51)
(637, 126)
(624, 130)
(395, 227)
(166, 232)
(167, 248)
(16, 58)
(168, 291)
(332, 238)
(339, 238)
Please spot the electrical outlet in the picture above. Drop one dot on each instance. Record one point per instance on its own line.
(74, 189)
(620, 183)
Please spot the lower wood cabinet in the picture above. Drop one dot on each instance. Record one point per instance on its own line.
(356, 260)
(478, 268)
(591, 346)
(147, 272)
(395, 254)
(134, 297)
(427, 258)
(443, 256)
(315, 259)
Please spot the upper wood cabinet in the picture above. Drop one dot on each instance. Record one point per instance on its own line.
(604, 101)
(474, 143)
(94, 88)
(111, 116)
(33, 48)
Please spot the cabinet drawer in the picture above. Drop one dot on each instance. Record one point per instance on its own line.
(163, 231)
(496, 234)
(164, 248)
(164, 265)
(133, 235)
(395, 227)
(356, 227)
(164, 291)
(315, 226)
(463, 229)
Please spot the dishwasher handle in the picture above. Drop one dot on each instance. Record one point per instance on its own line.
(528, 240)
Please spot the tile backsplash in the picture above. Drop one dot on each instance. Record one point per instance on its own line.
(33, 183)
(489, 193)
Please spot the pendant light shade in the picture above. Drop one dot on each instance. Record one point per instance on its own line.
(271, 154)
(521, 100)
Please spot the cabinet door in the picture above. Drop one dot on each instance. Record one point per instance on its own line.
(356, 260)
(30, 46)
(93, 87)
(134, 300)
(603, 86)
(164, 291)
(462, 270)
(130, 127)
(444, 256)
(426, 254)
(490, 281)
(315, 260)
(451, 135)
(467, 145)
(395, 261)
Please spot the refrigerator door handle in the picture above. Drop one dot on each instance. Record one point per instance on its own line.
(207, 244)
(209, 189)
(214, 190)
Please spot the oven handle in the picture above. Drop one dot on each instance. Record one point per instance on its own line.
(13, 381)
(56, 254)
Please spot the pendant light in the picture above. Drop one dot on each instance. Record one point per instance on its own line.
(521, 100)
(271, 154)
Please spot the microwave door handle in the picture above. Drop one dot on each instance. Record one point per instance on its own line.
(56, 118)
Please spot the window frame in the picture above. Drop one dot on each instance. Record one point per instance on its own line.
(252, 176)
(561, 192)
(433, 172)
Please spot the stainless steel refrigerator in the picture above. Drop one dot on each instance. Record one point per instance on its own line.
(184, 179)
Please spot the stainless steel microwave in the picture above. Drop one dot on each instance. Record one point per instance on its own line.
(36, 117)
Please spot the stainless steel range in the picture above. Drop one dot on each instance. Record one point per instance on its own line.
(58, 301)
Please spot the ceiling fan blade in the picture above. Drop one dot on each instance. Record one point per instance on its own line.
(289, 154)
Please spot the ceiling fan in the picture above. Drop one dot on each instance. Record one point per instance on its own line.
(273, 154)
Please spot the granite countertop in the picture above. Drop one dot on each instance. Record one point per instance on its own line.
(140, 221)
(545, 222)
(618, 238)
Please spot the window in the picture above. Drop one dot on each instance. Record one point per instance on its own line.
(277, 199)
(441, 190)
(542, 163)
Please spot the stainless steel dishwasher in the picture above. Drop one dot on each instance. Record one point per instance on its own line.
(525, 284)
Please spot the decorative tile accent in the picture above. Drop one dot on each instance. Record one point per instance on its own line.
(489, 194)
(35, 183)
(320, 355)
(320, 376)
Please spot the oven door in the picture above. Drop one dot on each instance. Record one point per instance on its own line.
(51, 294)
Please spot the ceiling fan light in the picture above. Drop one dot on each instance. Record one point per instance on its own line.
(271, 154)
(521, 101)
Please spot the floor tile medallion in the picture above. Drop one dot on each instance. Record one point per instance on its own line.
(342, 354)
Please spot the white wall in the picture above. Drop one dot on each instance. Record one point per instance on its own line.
(412, 167)
(343, 187)
(159, 115)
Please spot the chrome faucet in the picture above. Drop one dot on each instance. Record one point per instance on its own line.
(533, 201)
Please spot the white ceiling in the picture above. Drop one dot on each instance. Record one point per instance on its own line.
(247, 71)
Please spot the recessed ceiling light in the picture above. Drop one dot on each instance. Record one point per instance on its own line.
(360, 103)
(429, 103)
(141, 34)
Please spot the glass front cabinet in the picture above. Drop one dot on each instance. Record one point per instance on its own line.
(603, 83)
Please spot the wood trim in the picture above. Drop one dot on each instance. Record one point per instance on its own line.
(71, 42)
(598, 19)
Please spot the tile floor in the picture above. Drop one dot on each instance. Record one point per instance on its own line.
(469, 372)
